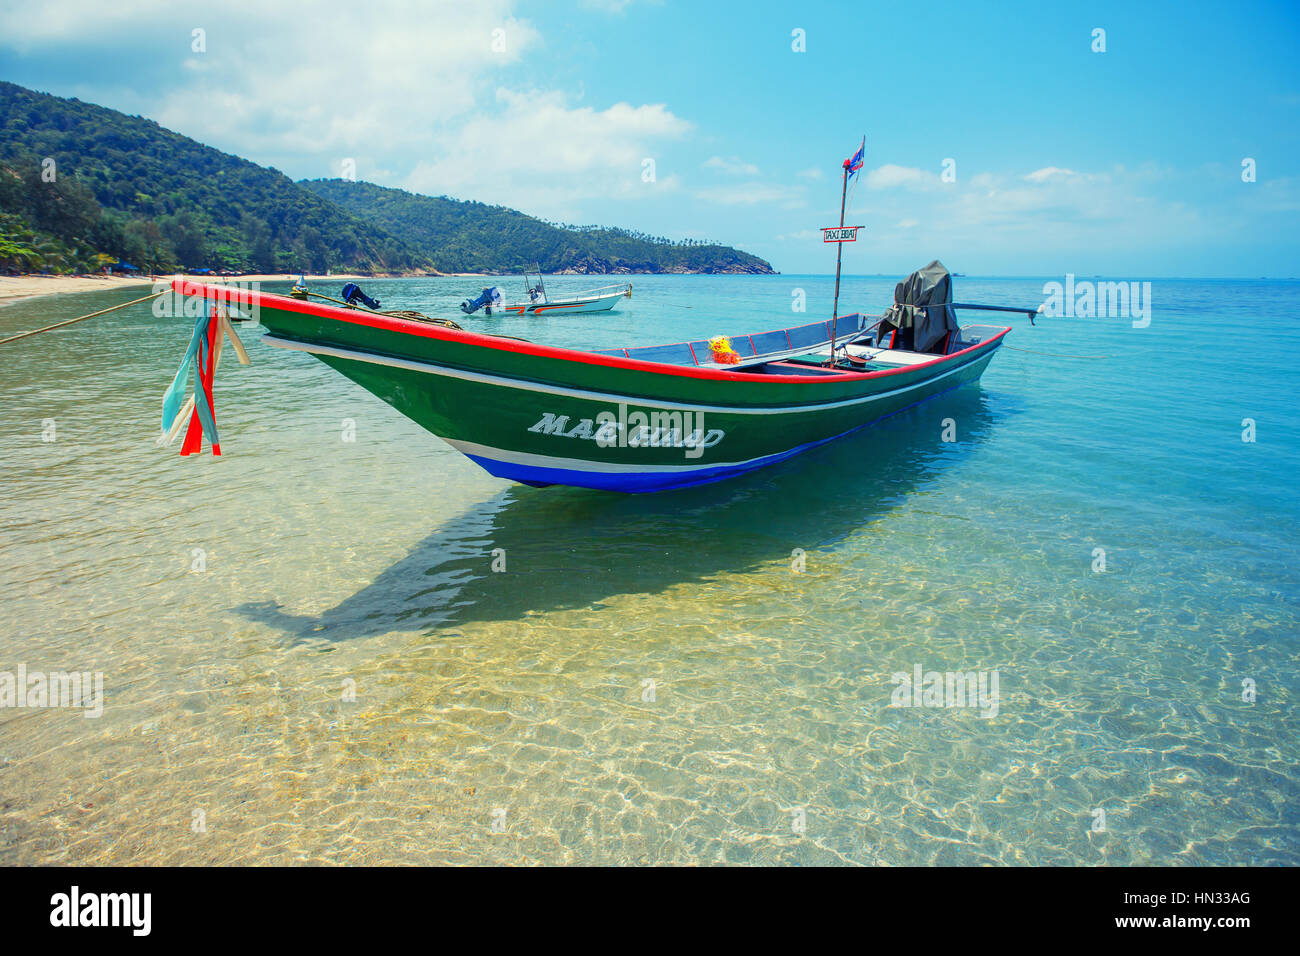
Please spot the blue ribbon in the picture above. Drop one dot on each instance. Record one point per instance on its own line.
(197, 356)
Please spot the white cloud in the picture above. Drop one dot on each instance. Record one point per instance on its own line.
(1127, 220)
(277, 81)
(890, 176)
(25, 28)
(1049, 172)
(813, 174)
(732, 166)
(749, 194)
(415, 90)
(1049, 217)
(396, 84)
(539, 152)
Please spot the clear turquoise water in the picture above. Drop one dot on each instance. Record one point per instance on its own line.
(333, 564)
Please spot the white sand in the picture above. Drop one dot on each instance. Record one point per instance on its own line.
(13, 288)
(19, 287)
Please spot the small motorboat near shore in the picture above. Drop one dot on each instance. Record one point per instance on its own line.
(539, 303)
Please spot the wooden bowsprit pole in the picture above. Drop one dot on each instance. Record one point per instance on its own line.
(80, 318)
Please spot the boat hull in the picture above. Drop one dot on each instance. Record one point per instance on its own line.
(541, 435)
(543, 415)
(602, 303)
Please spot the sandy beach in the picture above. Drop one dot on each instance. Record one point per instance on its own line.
(13, 288)
(22, 287)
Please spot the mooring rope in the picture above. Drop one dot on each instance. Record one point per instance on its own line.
(413, 316)
(80, 318)
(410, 314)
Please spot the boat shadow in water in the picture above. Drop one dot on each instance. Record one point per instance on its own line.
(568, 548)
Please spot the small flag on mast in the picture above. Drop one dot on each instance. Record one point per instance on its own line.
(854, 164)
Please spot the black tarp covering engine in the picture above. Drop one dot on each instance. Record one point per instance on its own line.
(922, 312)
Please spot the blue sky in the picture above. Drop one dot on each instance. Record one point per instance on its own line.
(1126, 163)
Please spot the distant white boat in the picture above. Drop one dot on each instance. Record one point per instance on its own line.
(539, 303)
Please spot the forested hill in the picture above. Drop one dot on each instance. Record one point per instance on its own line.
(82, 186)
(472, 237)
(124, 187)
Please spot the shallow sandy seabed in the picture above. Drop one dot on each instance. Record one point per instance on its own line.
(345, 677)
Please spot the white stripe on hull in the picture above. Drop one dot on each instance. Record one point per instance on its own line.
(485, 378)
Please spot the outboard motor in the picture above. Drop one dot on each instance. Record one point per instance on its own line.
(352, 294)
(489, 297)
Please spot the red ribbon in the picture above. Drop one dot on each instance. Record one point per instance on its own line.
(193, 443)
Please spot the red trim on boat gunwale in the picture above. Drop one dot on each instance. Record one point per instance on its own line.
(420, 329)
(558, 305)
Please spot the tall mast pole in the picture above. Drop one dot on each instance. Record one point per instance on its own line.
(839, 254)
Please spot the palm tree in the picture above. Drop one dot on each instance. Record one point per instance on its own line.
(53, 255)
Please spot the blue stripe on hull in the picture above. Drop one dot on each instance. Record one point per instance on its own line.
(627, 481)
(645, 481)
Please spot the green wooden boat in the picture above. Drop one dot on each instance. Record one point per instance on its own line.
(635, 419)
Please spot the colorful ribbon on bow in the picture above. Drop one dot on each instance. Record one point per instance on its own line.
(203, 356)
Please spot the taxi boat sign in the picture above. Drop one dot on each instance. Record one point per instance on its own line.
(840, 233)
